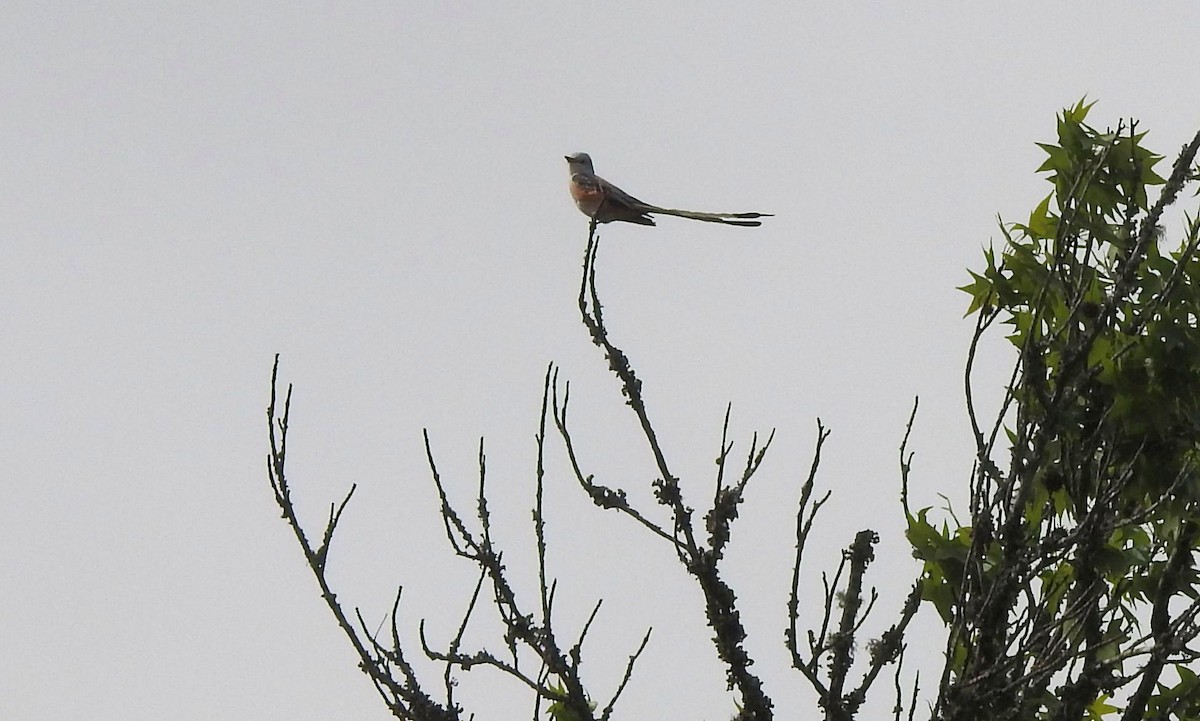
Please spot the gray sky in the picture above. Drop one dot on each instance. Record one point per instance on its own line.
(377, 192)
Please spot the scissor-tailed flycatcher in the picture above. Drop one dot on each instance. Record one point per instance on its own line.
(605, 202)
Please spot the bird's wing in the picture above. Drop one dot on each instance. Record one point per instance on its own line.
(613, 194)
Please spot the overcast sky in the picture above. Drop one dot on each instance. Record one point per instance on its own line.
(376, 191)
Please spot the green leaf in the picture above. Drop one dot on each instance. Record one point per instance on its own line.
(559, 711)
(1042, 223)
(1100, 708)
(1079, 113)
(980, 291)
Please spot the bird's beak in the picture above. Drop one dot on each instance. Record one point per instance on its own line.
(567, 158)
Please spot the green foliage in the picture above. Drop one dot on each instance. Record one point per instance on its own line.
(1179, 701)
(1070, 263)
(560, 710)
(944, 553)
(1100, 708)
(1077, 550)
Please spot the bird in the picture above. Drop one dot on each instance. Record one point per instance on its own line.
(604, 202)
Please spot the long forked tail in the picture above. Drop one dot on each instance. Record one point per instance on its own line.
(726, 218)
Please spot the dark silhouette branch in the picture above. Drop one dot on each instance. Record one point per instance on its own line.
(701, 561)
(404, 698)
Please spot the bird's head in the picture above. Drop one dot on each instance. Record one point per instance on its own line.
(580, 163)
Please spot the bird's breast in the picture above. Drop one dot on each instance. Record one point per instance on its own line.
(587, 193)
